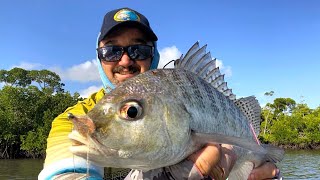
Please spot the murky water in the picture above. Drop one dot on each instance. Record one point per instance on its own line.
(20, 168)
(296, 165)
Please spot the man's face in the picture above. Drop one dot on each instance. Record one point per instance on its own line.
(125, 68)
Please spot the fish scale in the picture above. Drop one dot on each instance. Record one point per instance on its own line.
(196, 93)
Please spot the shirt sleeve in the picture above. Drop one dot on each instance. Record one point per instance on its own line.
(59, 159)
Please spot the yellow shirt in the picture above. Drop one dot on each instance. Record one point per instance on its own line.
(58, 142)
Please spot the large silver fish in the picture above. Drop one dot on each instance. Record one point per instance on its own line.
(160, 117)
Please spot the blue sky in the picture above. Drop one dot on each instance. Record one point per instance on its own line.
(262, 45)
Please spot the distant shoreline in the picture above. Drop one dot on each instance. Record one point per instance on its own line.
(300, 146)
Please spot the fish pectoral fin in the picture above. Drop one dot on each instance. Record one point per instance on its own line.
(242, 172)
(205, 138)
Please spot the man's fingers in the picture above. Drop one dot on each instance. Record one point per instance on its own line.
(206, 158)
(215, 160)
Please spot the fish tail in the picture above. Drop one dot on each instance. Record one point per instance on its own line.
(243, 170)
(274, 154)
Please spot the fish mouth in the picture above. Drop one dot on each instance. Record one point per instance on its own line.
(88, 145)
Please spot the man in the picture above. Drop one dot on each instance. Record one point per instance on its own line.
(126, 47)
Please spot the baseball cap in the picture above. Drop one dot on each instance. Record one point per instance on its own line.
(125, 16)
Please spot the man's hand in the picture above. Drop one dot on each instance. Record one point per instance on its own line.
(214, 160)
(266, 171)
(217, 161)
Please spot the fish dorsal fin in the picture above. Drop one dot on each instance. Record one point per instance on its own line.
(200, 62)
(252, 110)
(191, 51)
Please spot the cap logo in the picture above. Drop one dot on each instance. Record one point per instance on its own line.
(126, 15)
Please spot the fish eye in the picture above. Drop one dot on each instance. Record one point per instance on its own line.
(130, 111)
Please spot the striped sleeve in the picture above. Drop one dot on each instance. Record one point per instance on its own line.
(58, 157)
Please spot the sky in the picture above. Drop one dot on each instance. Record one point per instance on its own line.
(261, 46)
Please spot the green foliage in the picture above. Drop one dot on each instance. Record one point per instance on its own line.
(282, 105)
(15, 76)
(34, 142)
(291, 124)
(27, 111)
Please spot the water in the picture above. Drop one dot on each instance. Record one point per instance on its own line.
(296, 165)
(20, 168)
(301, 165)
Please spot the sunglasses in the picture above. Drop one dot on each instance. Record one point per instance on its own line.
(135, 52)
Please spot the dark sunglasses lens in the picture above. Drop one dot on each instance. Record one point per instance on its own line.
(110, 53)
(140, 52)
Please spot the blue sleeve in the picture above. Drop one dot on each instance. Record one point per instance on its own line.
(73, 168)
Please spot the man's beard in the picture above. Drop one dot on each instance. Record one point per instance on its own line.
(120, 70)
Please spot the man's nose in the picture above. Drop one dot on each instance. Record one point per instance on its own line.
(125, 60)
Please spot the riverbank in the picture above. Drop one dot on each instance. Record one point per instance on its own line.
(300, 146)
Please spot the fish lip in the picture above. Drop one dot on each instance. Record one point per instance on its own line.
(77, 137)
(80, 140)
(83, 124)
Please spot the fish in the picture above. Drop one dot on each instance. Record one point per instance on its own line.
(160, 117)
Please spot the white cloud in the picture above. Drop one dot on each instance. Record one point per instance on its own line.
(84, 72)
(167, 54)
(224, 69)
(87, 92)
(28, 65)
